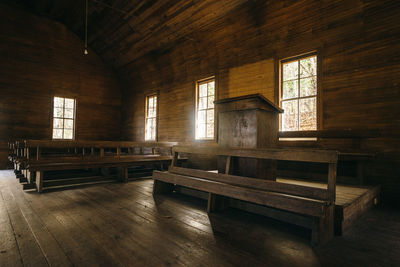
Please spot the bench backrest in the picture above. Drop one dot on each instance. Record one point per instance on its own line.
(320, 156)
(35, 149)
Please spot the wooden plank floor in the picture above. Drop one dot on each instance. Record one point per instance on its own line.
(345, 194)
(122, 225)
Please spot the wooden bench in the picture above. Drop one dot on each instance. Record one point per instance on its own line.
(317, 203)
(39, 156)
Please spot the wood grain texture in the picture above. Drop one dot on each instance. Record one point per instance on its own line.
(122, 225)
(357, 45)
(40, 59)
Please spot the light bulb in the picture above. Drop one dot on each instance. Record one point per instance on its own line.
(85, 52)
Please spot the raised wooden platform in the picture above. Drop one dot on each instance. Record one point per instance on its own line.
(351, 201)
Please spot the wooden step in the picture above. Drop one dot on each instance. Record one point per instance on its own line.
(78, 180)
(50, 188)
(27, 186)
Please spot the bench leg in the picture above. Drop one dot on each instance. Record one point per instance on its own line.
(123, 174)
(323, 228)
(39, 181)
(216, 202)
(30, 176)
(160, 187)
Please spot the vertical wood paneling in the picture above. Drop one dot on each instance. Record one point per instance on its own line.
(358, 43)
(40, 59)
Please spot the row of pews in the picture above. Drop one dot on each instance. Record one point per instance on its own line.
(240, 178)
(50, 164)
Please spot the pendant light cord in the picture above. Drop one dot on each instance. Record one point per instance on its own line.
(86, 28)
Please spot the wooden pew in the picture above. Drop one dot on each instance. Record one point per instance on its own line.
(39, 156)
(310, 201)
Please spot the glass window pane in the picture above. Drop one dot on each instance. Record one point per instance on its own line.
(203, 90)
(59, 102)
(289, 117)
(308, 114)
(210, 116)
(58, 123)
(308, 67)
(151, 113)
(152, 129)
(69, 113)
(68, 124)
(210, 102)
(290, 89)
(210, 130)
(58, 112)
(147, 131)
(201, 116)
(150, 103)
(308, 86)
(67, 134)
(290, 70)
(69, 103)
(201, 130)
(211, 89)
(202, 102)
(57, 133)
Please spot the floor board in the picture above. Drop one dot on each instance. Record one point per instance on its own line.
(123, 225)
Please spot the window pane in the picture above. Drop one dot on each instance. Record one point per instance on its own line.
(210, 101)
(57, 133)
(147, 131)
(290, 89)
(290, 71)
(69, 103)
(67, 134)
(201, 116)
(308, 86)
(69, 113)
(289, 117)
(58, 112)
(58, 123)
(210, 130)
(68, 124)
(203, 90)
(211, 88)
(201, 131)
(150, 103)
(152, 129)
(202, 102)
(151, 113)
(308, 67)
(210, 116)
(308, 114)
(58, 102)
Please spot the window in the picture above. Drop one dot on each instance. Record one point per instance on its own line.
(298, 96)
(151, 118)
(63, 118)
(205, 96)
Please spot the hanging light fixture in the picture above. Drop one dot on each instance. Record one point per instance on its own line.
(86, 29)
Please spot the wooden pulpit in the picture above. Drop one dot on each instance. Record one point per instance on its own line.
(250, 121)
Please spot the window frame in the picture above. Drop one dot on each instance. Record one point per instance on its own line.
(318, 94)
(197, 98)
(147, 97)
(63, 118)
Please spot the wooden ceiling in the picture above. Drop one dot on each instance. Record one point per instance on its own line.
(122, 31)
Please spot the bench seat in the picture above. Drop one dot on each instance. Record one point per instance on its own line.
(316, 203)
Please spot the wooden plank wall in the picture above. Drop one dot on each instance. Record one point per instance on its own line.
(358, 43)
(40, 58)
